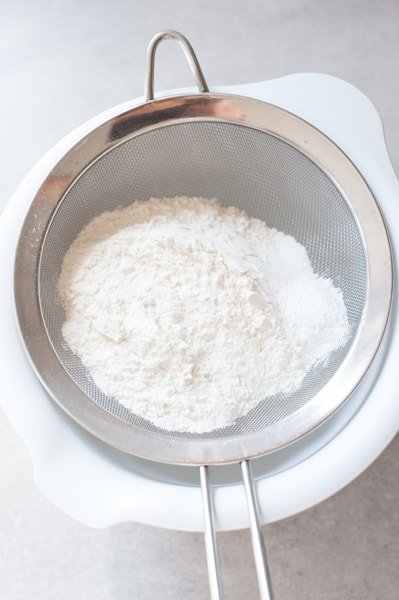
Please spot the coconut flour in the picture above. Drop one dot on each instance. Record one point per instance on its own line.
(189, 314)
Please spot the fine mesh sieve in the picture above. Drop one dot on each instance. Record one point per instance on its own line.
(245, 153)
(241, 167)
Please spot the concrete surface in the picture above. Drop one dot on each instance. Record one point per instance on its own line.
(64, 61)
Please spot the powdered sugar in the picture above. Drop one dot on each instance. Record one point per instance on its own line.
(190, 314)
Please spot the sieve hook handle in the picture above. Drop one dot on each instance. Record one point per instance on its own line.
(258, 545)
(188, 52)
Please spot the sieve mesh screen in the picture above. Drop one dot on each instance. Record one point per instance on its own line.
(239, 166)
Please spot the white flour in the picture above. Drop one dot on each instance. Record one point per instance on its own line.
(189, 314)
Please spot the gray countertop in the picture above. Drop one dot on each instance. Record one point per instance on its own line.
(63, 61)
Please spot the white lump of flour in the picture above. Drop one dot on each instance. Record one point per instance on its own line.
(189, 314)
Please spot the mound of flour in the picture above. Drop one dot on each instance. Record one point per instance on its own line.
(189, 313)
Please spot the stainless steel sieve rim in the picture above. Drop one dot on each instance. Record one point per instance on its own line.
(168, 112)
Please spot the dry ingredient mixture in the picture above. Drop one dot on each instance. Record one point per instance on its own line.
(189, 314)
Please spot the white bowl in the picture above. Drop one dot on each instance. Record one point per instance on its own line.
(99, 485)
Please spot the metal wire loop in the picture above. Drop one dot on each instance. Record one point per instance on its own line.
(188, 53)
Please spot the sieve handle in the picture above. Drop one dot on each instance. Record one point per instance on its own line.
(258, 545)
(188, 52)
(212, 554)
